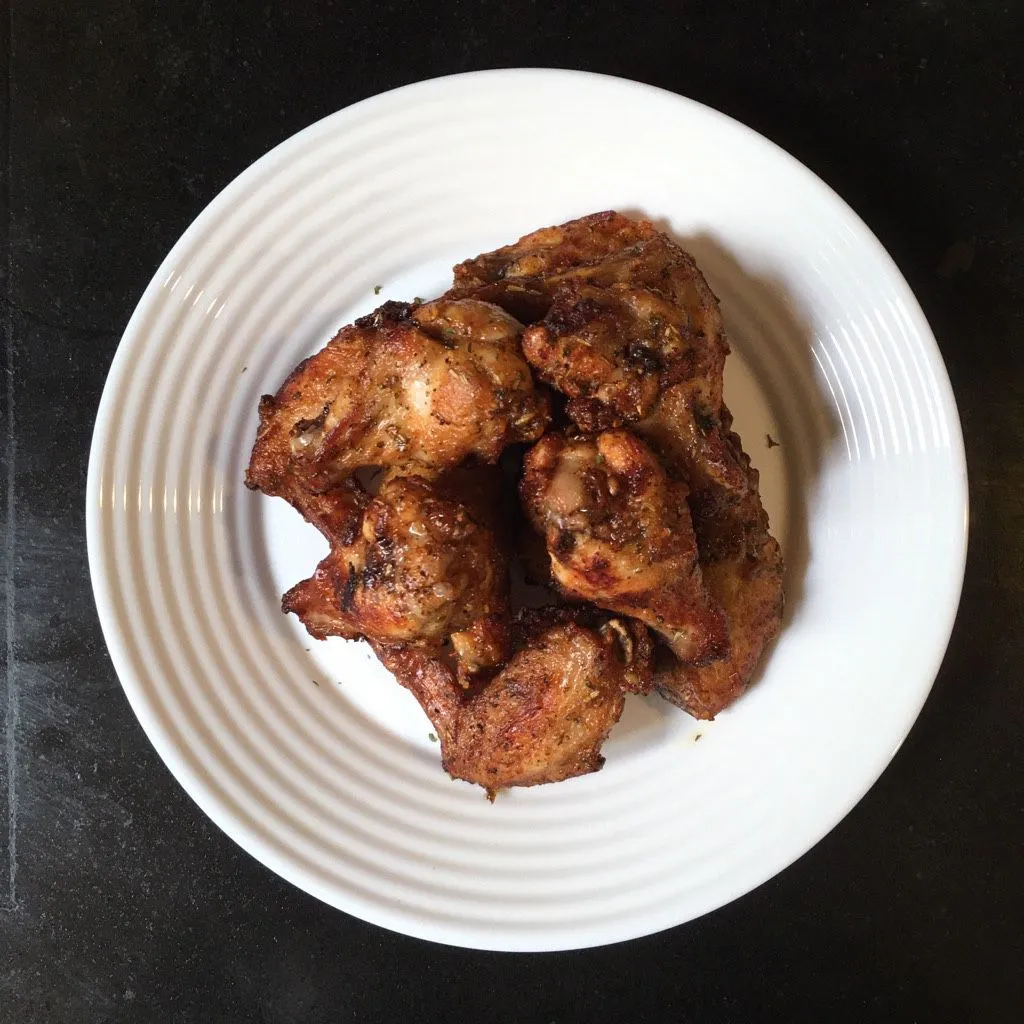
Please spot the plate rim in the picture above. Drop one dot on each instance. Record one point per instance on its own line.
(416, 924)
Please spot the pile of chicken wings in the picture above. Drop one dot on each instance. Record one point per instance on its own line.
(588, 359)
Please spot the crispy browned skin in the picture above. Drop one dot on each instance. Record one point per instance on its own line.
(619, 534)
(549, 251)
(633, 334)
(630, 331)
(625, 326)
(315, 600)
(336, 513)
(420, 387)
(419, 390)
(424, 567)
(611, 350)
(544, 716)
(743, 569)
(693, 441)
(634, 645)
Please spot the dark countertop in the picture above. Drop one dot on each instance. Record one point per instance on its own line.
(119, 900)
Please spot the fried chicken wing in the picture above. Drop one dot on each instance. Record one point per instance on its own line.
(549, 251)
(603, 250)
(420, 390)
(544, 716)
(619, 534)
(743, 570)
(632, 333)
(420, 387)
(425, 566)
(659, 266)
(612, 351)
(647, 509)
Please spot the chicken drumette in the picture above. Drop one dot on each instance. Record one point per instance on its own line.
(619, 534)
(428, 565)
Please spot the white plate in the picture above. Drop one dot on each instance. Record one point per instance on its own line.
(337, 786)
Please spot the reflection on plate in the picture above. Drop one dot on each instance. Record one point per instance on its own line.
(307, 754)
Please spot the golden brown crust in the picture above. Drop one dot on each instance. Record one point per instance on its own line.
(751, 593)
(619, 534)
(632, 643)
(611, 350)
(659, 524)
(420, 388)
(543, 717)
(422, 391)
(315, 601)
(424, 567)
(633, 335)
(548, 251)
(631, 307)
(744, 570)
(692, 439)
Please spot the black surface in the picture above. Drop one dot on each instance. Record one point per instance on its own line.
(122, 902)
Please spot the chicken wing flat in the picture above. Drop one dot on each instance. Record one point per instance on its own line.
(743, 569)
(544, 716)
(426, 566)
(619, 534)
(415, 387)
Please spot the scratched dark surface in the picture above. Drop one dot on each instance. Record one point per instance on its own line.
(119, 901)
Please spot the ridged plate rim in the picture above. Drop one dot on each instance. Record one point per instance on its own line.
(214, 796)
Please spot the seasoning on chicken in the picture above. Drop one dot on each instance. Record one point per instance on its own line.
(422, 391)
(545, 715)
(743, 569)
(544, 253)
(619, 534)
(611, 350)
(420, 388)
(647, 505)
(427, 565)
(633, 335)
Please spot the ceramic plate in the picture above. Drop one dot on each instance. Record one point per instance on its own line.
(308, 754)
